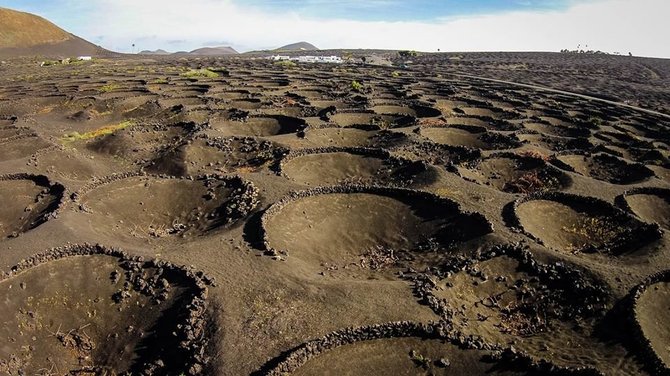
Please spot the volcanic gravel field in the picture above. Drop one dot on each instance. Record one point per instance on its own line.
(334, 219)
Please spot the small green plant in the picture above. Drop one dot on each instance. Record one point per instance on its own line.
(160, 81)
(108, 88)
(200, 73)
(420, 360)
(356, 86)
(395, 74)
(595, 121)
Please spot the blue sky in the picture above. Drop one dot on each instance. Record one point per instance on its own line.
(637, 26)
(402, 10)
(362, 10)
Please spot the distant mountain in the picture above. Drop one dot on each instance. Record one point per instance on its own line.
(156, 52)
(25, 34)
(300, 46)
(214, 51)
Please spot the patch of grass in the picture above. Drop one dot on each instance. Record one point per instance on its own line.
(103, 131)
(200, 73)
(395, 74)
(109, 88)
(444, 192)
(160, 81)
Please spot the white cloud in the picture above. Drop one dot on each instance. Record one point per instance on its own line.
(638, 26)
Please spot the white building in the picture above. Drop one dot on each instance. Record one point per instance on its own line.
(318, 59)
(308, 59)
(279, 57)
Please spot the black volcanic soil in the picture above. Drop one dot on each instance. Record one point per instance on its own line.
(33, 200)
(95, 314)
(436, 219)
(401, 356)
(146, 206)
(651, 312)
(340, 227)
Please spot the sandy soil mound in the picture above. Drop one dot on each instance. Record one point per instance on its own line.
(153, 207)
(604, 167)
(33, 201)
(205, 155)
(557, 130)
(485, 111)
(623, 139)
(571, 223)
(329, 166)
(17, 142)
(407, 348)
(402, 356)
(505, 296)
(247, 104)
(332, 167)
(229, 94)
(88, 310)
(501, 294)
(557, 144)
(649, 204)
(649, 314)
(340, 224)
(339, 137)
(416, 111)
(472, 137)
(259, 126)
(137, 143)
(370, 120)
(507, 172)
(652, 313)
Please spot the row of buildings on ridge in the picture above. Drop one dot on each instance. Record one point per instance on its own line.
(308, 59)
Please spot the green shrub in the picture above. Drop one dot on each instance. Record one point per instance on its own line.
(408, 53)
(200, 73)
(286, 64)
(356, 86)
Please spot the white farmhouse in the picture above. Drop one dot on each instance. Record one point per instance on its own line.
(280, 57)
